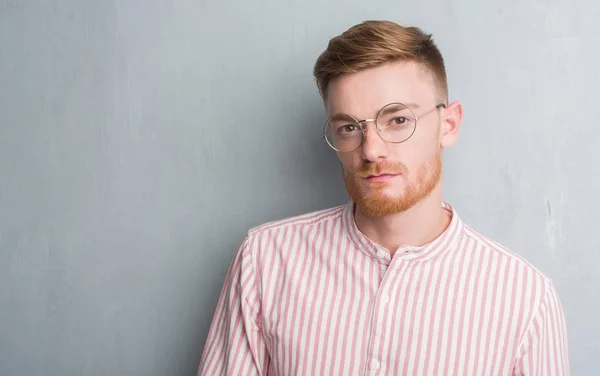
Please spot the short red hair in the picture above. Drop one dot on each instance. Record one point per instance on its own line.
(374, 43)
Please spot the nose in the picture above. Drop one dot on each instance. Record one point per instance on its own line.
(374, 146)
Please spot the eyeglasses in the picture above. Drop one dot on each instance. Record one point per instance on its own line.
(395, 123)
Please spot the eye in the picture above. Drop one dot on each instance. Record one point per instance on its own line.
(399, 120)
(348, 128)
(343, 126)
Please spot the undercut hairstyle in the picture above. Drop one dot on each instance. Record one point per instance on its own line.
(374, 43)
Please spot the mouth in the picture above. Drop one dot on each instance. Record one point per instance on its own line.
(379, 178)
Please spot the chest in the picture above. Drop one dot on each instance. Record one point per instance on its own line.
(351, 314)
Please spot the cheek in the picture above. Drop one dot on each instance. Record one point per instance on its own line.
(350, 162)
(415, 156)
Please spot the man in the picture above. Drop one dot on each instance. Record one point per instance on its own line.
(394, 283)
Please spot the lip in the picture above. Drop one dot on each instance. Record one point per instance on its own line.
(381, 178)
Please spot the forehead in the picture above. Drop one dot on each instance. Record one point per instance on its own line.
(362, 94)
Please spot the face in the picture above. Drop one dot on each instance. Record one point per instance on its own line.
(381, 177)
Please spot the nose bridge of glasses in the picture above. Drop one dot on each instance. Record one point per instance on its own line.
(363, 123)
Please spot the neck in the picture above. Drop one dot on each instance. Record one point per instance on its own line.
(417, 226)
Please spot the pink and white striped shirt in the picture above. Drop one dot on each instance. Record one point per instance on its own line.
(312, 295)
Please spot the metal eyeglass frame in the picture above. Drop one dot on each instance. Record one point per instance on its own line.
(362, 124)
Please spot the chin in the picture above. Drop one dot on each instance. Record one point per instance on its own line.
(384, 191)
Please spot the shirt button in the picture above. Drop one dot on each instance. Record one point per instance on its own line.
(374, 364)
(385, 298)
(380, 254)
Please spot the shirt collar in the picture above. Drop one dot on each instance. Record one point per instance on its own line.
(448, 240)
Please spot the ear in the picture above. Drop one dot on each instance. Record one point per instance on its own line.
(451, 119)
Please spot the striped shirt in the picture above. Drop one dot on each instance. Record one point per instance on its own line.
(312, 295)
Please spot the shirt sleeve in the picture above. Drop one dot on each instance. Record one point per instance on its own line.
(235, 343)
(544, 349)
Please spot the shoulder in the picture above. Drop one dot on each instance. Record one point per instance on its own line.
(299, 222)
(497, 253)
(273, 244)
(510, 278)
(286, 237)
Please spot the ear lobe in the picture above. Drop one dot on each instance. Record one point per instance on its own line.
(451, 121)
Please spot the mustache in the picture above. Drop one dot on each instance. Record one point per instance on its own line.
(370, 169)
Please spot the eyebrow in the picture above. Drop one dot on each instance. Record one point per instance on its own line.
(410, 105)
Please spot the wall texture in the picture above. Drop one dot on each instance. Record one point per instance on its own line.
(139, 140)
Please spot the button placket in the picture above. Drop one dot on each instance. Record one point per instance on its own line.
(398, 268)
(382, 300)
